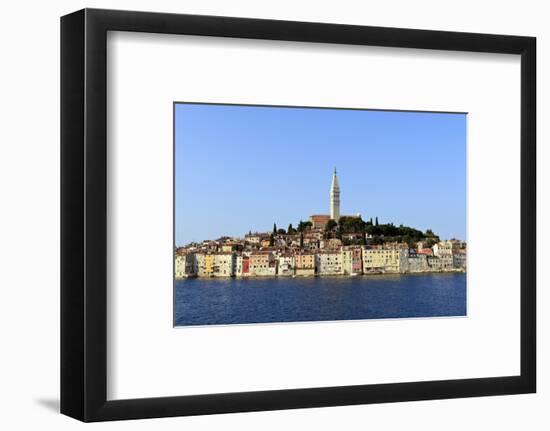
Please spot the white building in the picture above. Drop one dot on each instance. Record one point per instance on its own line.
(329, 263)
(443, 248)
(179, 268)
(239, 265)
(224, 265)
(286, 264)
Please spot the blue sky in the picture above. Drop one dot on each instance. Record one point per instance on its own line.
(241, 168)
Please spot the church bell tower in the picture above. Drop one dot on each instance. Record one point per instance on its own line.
(335, 198)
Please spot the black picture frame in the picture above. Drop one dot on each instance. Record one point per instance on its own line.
(84, 214)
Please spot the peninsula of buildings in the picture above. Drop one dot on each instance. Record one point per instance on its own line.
(325, 245)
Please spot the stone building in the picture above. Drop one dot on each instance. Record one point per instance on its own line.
(417, 262)
(329, 262)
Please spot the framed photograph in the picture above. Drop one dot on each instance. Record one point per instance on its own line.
(261, 215)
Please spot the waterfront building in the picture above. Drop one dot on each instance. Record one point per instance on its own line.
(286, 264)
(262, 263)
(459, 259)
(246, 266)
(417, 262)
(352, 261)
(391, 258)
(329, 262)
(305, 263)
(190, 265)
(223, 264)
(435, 263)
(201, 264)
(209, 265)
(444, 251)
(179, 267)
(238, 265)
(447, 262)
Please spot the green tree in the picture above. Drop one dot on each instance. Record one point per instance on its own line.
(291, 230)
(304, 225)
(271, 240)
(376, 221)
(281, 231)
(331, 224)
(274, 229)
(301, 239)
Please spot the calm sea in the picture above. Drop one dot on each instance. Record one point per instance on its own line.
(261, 300)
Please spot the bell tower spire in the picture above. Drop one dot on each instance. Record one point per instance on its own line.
(335, 198)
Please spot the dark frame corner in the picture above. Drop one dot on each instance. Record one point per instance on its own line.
(84, 209)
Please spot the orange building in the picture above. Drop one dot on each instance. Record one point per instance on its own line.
(305, 263)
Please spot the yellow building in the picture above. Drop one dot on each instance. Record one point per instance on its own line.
(387, 258)
(209, 265)
(305, 263)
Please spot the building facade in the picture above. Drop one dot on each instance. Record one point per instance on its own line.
(262, 263)
(286, 264)
(352, 261)
(390, 258)
(329, 262)
(223, 265)
(304, 264)
(179, 266)
(417, 262)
